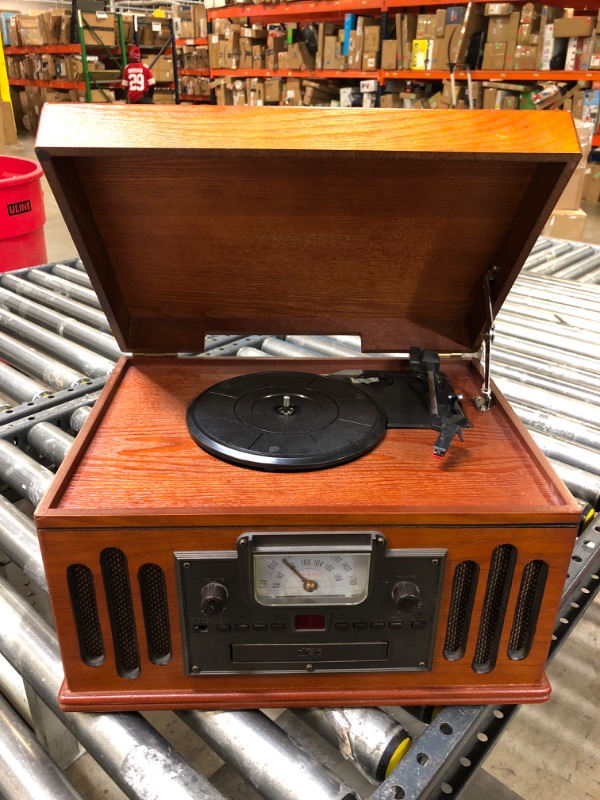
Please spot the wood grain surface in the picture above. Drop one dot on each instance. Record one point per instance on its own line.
(381, 223)
(454, 680)
(312, 129)
(139, 462)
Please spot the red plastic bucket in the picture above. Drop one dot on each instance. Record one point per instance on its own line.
(22, 214)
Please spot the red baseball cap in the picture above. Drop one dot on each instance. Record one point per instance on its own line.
(135, 54)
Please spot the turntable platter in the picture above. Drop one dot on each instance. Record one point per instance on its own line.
(285, 421)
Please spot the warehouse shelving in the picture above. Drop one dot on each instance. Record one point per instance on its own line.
(294, 73)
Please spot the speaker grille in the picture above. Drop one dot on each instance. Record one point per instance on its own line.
(502, 565)
(527, 611)
(464, 586)
(85, 611)
(120, 609)
(153, 592)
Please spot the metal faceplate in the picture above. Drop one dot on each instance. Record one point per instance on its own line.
(225, 629)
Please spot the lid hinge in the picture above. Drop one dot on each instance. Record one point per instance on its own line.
(485, 401)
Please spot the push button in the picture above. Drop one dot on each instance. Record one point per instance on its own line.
(242, 626)
(360, 625)
(418, 624)
(395, 624)
(378, 624)
(341, 626)
(278, 626)
(259, 626)
(223, 626)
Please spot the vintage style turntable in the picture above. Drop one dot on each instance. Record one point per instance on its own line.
(239, 532)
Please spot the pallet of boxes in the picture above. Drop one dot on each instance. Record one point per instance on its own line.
(567, 221)
(340, 47)
(190, 25)
(32, 30)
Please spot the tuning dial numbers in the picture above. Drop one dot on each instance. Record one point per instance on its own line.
(406, 596)
(213, 598)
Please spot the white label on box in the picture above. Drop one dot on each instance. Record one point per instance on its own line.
(156, 26)
(259, 102)
(101, 15)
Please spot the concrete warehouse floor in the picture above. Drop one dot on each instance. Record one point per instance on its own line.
(547, 751)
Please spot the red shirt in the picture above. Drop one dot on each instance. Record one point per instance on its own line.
(136, 79)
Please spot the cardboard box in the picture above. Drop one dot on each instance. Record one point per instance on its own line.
(292, 94)
(489, 98)
(498, 9)
(591, 187)
(329, 52)
(369, 61)
(245, 54)
(30, 30)
(409, 30)
(510, 102)
(574, 26)
(494, 54)
(371, 40)
(162, 70)
(426, 26)
(258, 56)
(525, 57)
(566, 225)
(299, 58)
(102, 27)
(571, 196)
(499, 29)
(530, 12)
(440, 23)
(275, 45)
(7, 123)
(355, 51)
(388, 54)
(273, 90)
(390, 100)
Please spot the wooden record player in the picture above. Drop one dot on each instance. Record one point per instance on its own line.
(197, 555)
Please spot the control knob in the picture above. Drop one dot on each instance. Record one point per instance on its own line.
(406, 596)
(213, 598)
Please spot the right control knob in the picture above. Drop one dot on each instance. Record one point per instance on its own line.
(406, 596)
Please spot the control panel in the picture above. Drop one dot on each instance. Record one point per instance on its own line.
(322, 601)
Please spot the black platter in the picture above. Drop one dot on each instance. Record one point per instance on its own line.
(286, 421)
(294, 421)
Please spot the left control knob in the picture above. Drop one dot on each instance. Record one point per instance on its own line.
(213, 598)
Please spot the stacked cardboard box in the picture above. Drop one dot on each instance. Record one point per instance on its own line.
(196, 87)
(48, 28)
(567, 221)
(231, 90)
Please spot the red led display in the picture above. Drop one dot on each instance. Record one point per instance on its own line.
(309, 622)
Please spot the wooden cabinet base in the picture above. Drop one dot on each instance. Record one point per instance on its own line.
(433, 696)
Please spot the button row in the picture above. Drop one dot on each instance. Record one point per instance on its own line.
(417, 624)
(257, 626)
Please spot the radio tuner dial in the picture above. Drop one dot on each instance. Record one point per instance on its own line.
(406, 596)
(213, 598)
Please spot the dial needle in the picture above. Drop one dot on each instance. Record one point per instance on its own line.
(307, 584)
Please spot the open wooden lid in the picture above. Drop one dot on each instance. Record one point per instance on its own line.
(375, 222)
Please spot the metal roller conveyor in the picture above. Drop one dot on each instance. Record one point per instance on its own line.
(555, 379)
(266, 756)
(552, 267)
(71, 274)
(53, 373)
(373, 739)
(67, 288)
(24, 288)
(26, 770)
(80, 358)
(135, 756)
(72, 329)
